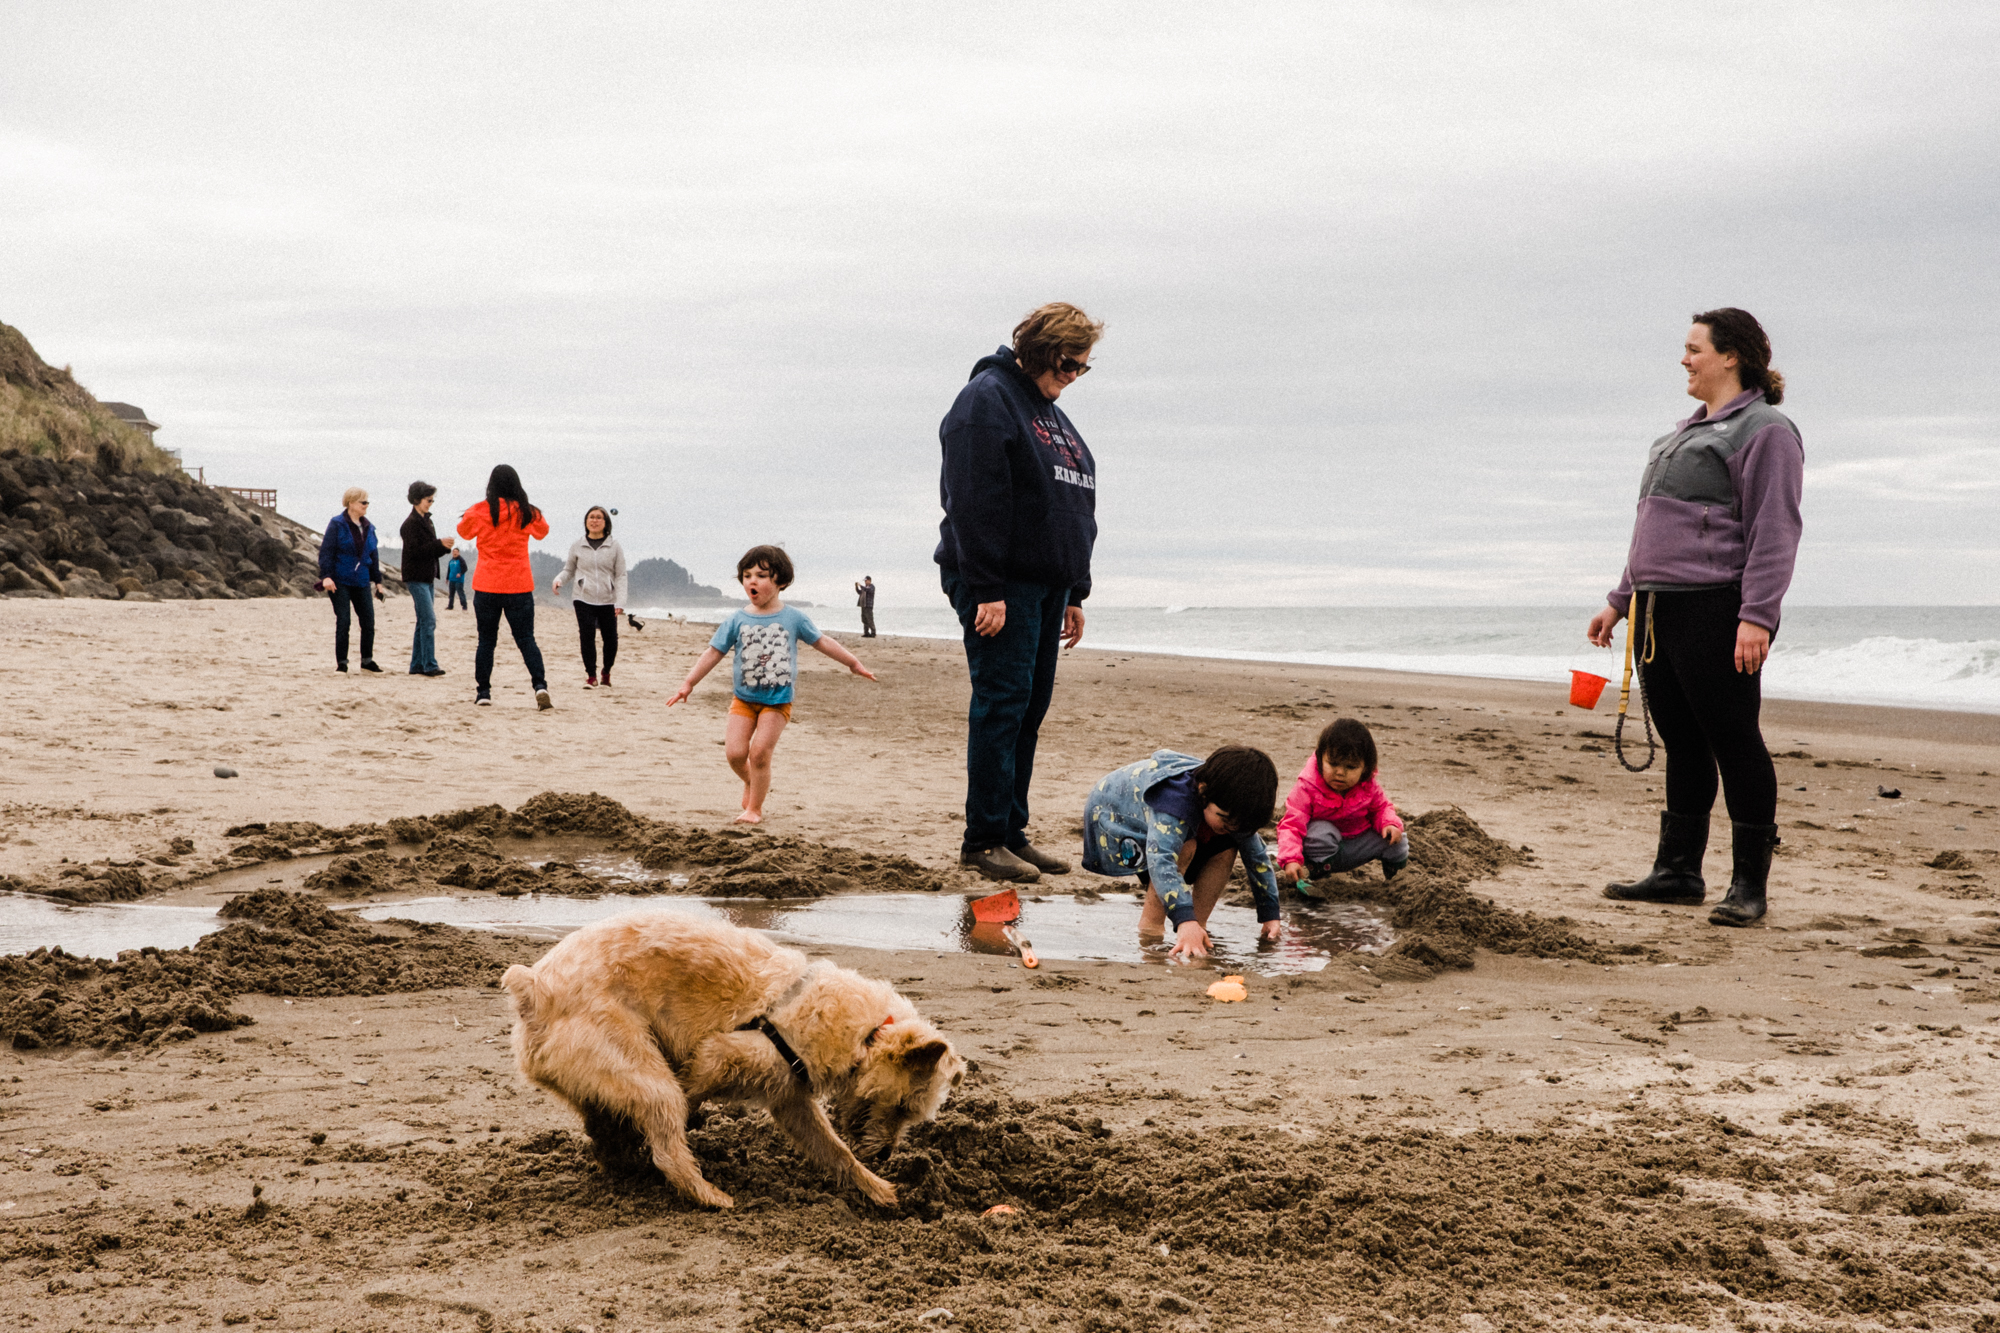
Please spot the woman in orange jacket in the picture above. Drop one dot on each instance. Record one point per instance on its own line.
(502, 582)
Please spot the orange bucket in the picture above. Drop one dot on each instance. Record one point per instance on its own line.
(1585, 687)
(1002, 906)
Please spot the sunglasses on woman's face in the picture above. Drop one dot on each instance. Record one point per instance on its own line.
(1069, 365)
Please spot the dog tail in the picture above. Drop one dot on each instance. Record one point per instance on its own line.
(520, 983)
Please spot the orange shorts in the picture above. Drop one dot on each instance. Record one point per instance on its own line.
(741, 707)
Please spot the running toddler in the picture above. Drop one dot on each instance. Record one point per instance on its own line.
(765, 637)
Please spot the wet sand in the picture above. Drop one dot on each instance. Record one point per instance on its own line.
(1790, 1125)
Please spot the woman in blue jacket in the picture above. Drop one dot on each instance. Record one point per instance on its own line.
(350, 574)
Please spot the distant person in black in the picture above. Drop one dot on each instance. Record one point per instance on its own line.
(1019, 490)
(421, 549)
(864, 597)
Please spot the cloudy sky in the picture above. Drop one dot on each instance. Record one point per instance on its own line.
(1395, 292)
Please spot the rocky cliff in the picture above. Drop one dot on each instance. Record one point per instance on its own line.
(89, 507)
(70, 528)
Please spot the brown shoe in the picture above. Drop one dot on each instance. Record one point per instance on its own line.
(1041, 860)
(1001, 864)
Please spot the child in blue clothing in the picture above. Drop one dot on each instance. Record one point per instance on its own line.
(1179, 823)
(765, 636)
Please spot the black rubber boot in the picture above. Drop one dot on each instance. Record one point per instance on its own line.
(1750, 851)
(1676, 876)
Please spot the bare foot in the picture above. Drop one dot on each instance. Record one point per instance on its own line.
(749, 817)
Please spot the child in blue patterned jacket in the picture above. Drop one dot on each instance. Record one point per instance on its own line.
(1179, 823)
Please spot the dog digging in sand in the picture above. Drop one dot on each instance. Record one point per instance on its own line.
(638, 1019)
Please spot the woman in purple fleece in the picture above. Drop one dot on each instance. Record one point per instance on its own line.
(1711, 556)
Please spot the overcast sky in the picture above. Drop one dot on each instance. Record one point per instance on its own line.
(1395, 292)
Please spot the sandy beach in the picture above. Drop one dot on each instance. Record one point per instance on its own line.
(1663, 1124)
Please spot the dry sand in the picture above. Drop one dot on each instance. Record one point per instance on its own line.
(1790, 1126)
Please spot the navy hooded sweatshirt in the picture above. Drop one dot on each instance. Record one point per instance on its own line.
(1019, 487)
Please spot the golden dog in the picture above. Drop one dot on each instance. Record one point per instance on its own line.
(638, 1019)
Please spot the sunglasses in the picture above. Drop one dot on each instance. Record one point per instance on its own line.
(1069, 365)
(363, 504)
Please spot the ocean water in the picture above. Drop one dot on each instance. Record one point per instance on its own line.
(1944, 657)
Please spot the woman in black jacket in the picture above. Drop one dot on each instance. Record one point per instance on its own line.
(421, 552)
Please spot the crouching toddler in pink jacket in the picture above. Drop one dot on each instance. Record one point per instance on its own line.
(1338, 816)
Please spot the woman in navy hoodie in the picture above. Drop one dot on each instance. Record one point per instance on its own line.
(1712, 552)
(349, 573)
(1019, 490)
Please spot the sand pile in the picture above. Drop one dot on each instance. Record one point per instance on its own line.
(276, 944)
(1439, 923)
(488, 848)
(1129, 1230)
(733, 863)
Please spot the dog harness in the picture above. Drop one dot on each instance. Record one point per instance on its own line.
(785, 1051)
(762, 1023)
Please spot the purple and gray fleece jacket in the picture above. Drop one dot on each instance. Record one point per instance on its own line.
(1719, 504)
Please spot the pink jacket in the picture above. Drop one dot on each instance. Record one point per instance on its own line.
(1363, 807)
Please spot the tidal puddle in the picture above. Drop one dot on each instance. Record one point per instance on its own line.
(1060, 927)
(99, 930)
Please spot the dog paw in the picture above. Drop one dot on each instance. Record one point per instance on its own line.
(879, 1191)
(714, 1198)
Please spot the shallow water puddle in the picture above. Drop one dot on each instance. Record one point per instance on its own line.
(1061, 927)
(99, 930)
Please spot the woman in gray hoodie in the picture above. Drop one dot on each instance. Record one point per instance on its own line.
(1713, 544)
(597, 563)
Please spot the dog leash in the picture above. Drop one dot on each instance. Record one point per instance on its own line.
(1625, 692)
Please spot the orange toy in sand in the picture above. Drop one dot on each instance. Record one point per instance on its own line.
(1229, 990)
(998, 1210)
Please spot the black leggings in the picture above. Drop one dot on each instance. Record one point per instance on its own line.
(591, 620)
(1704, 708)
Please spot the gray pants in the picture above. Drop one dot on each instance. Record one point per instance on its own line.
(1328, 853)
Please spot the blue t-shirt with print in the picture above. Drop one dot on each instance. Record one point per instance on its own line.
(767, 652)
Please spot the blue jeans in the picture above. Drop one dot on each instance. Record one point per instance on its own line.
(423, 648)
(1013, 678)
(454, 594)
(1327, 852)
(519, 608)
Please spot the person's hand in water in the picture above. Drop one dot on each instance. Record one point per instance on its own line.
(1191, 942)
(1270, 930)
(1601, 626)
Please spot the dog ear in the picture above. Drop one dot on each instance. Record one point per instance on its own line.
(926, 1055)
